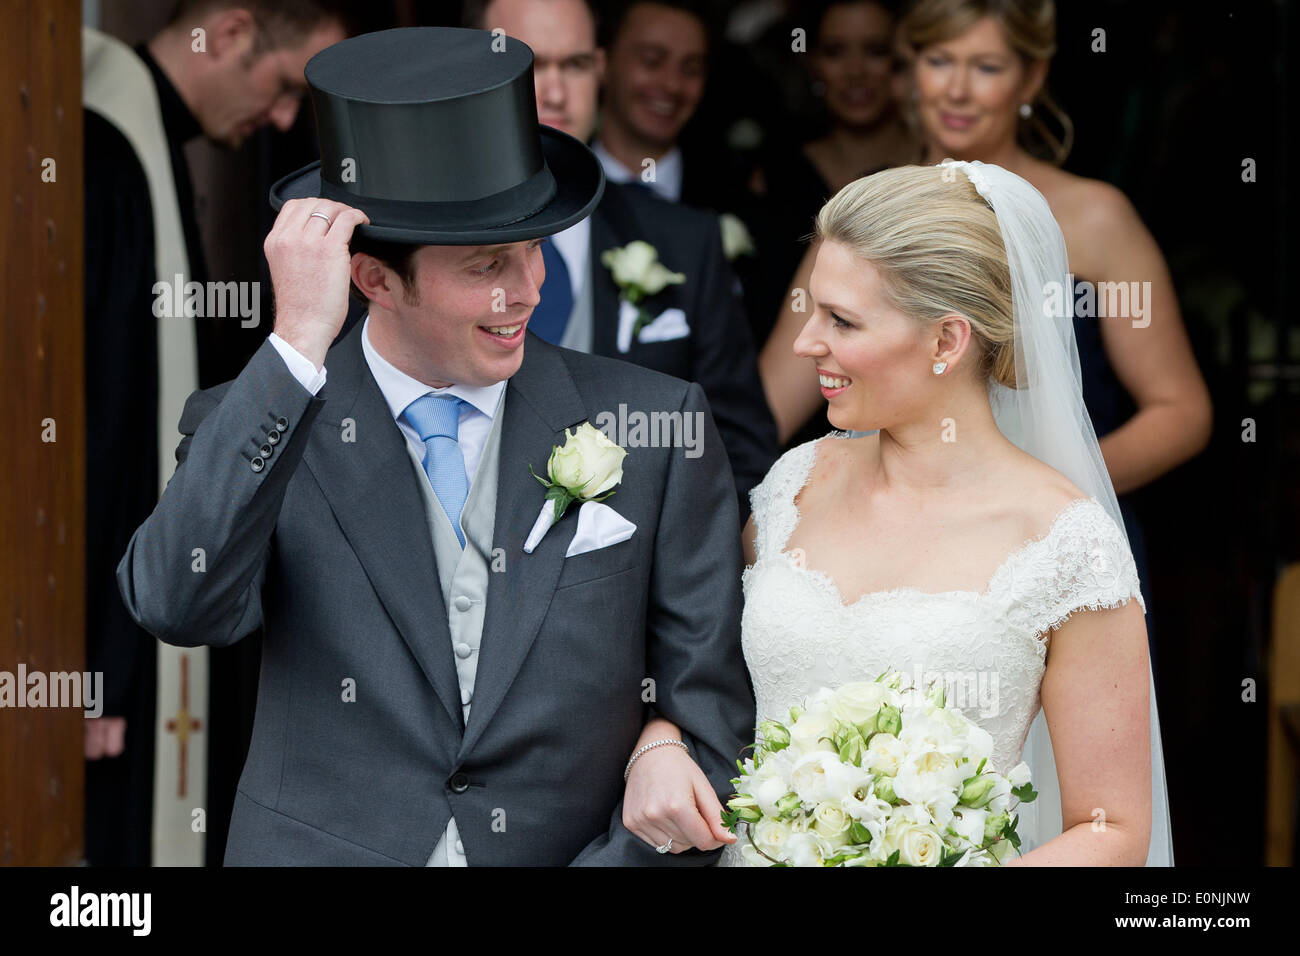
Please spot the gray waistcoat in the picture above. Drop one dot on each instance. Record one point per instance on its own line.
(463, 577)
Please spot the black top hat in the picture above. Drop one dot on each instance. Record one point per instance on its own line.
(433, 133)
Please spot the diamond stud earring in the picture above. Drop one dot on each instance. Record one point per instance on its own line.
(939, 367)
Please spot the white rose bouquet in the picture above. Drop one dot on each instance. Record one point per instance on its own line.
(875, 774)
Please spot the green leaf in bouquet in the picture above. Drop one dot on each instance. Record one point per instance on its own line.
(851, 748)
(858, 833)
(1025, 793)
(730, 819)
(893, 860)
(839, 858)
(949, 856)
(1009, 832)
(884, 787)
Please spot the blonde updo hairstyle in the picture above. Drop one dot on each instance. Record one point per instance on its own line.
(938, 247)
(1030, 29)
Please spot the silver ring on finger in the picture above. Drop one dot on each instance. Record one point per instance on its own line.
(321, 215)
(666, 847)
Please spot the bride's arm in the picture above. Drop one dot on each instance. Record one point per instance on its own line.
(1095, 697)
(668, 795)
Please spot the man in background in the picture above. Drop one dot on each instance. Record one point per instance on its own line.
(221, 69)
(697, 329)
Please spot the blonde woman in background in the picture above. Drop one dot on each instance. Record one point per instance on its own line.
(978, 72)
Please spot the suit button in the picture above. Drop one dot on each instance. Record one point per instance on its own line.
(273, 437)
(466, 695)
(257, 464)
(282, 423)
(463, 650)
(462, 603)
(460, 848)
(266, 450)
(458, 783)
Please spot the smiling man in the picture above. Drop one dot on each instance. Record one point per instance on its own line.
(431, 693)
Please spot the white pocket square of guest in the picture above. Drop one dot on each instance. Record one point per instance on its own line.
(667, 325)
(599, 526)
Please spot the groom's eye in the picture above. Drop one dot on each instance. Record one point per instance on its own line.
(486, 269)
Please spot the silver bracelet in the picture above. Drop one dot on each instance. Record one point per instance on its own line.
(651, 746)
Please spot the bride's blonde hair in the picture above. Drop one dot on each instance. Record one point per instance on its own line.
(938, 247)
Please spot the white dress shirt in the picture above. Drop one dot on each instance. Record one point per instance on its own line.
(400, 389)
(668, 172)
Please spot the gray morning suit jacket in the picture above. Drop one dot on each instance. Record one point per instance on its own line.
(325, 542)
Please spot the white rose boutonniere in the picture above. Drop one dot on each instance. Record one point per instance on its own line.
(586, 468)
(736, 240)
(639, 274)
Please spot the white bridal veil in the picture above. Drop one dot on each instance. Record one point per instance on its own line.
(1046, 417)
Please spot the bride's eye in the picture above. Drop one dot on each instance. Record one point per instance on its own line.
(840, 323)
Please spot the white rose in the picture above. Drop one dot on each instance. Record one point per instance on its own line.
(919, 845)
(736, 240)
(637, 265)
(766, 790)
(588, 464)
(658, 276)
(806, 732)
(772, 837)
(857, 702)
(831, 823)
(630, 263)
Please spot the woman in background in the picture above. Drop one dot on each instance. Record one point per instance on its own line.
(852, 66)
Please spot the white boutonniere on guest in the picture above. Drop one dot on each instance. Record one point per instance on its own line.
(736, 240)
(639, 274)
(585, 469)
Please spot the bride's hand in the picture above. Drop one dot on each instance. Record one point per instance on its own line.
(668, 796)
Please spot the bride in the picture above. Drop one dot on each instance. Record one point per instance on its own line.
(974, 537)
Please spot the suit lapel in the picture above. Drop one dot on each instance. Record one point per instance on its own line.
(371, 487)
(541, 402)
(604, 293)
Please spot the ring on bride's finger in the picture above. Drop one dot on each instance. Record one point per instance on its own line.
(666, 847)
(321, 215)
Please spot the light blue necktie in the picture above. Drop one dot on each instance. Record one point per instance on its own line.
(436, 418)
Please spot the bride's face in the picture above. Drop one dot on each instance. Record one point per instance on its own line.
(873, 361)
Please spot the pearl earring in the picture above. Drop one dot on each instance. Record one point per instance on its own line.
(939, 367)
(1026, 111)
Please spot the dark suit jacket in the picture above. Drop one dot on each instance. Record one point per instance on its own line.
(719, 352)
(324, 542)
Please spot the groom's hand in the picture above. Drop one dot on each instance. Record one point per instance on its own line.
(311, 271)
(668, 795)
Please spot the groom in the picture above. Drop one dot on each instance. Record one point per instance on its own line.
(430, 692)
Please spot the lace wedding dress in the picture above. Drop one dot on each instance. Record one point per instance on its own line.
(990, 646)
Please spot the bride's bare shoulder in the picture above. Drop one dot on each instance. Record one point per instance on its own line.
(1037, 493)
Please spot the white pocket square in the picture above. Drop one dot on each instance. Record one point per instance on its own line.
(668, 324)
(599, 526)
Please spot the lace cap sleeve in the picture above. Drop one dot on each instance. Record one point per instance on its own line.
(772, 499)
(1092, 566)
